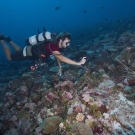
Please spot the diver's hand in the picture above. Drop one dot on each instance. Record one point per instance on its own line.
(60, 71)
(83, 60)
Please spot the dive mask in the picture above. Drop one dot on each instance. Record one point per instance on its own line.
(68, 43)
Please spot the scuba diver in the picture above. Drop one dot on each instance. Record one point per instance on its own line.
(39, 48)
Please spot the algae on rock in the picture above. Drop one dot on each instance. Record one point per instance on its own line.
(23, 114)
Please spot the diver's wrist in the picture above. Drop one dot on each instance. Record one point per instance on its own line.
(78, 64)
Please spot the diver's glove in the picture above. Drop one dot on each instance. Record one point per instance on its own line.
(8, 39)
(60, 71)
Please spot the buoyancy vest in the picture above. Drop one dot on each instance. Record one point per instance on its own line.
(36, 45)
(39, 52)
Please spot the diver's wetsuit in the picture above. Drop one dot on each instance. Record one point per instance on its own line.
(45, 49)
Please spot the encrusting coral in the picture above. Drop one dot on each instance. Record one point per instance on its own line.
(50, 124)
(80, 128)
(80, 117)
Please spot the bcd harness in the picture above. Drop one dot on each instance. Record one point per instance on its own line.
(36, 46)
(38, 52)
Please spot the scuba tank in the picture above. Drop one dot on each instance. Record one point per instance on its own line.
(40, 37)
(34, 40)
(36, 47)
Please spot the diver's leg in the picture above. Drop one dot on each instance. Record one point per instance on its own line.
(6, 49)
(15, 46)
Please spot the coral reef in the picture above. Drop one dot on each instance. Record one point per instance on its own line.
(12, 131)
(50, 96)
(50, 125)
(81, 129)
(37, 85)
(96, 98)
(22, 94)
(24, 127)
(80, 117)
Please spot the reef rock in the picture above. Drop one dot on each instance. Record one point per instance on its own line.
(82, 129)
(12, 131)
(51, 124)
(38, 84)
(14, 84)
(54, 69)
(24, 127)
(124, 112)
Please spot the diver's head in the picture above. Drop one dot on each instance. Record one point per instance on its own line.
(64, 39)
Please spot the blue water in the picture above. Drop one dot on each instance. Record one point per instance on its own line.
(21, 18)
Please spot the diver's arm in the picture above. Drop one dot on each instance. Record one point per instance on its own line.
(60, 69)
(59, 62)
(62, 58)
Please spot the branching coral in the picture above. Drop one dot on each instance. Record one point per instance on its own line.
(95, 110)
(64, 84)
(70, 75)
(66, 96)
(22, 94)
(30, 107)
(88, 80)
(50, 96)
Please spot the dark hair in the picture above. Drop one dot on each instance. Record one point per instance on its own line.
(63, 36)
